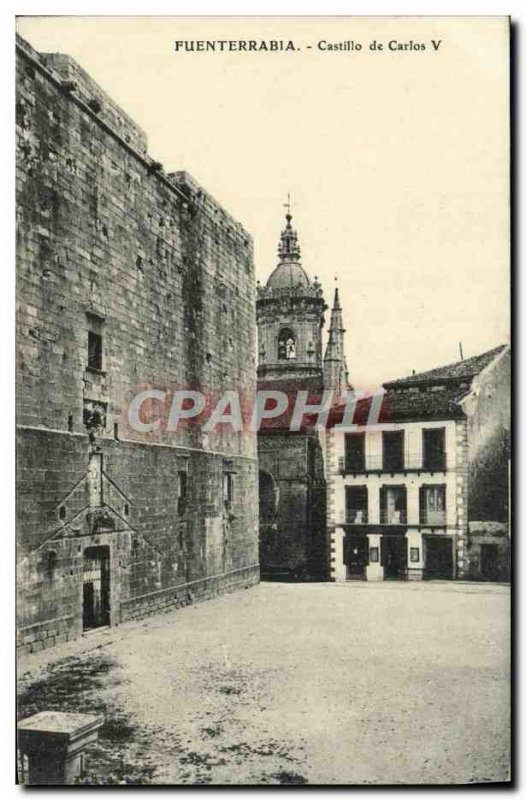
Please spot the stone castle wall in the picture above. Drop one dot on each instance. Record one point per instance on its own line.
(108, 244)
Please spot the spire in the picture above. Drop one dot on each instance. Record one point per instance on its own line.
(336, 329)
(336, 374)
(288, 248)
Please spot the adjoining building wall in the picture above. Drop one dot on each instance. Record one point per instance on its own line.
(115, 255)
(489, 452)
(489, 427)
(292, 535)
(488, 551)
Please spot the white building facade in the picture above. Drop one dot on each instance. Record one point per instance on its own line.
(421, 491)
(397, 500)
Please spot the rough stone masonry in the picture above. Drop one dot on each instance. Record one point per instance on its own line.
(126, 278)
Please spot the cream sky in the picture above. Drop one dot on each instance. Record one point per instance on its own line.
(397, 162)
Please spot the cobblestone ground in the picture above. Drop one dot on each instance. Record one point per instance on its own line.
(295, 683)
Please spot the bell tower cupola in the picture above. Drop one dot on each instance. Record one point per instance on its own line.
(290, 310)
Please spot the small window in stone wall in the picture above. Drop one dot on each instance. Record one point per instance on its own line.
(182, 491)
(228, 489)
(94, 351)
(51, 563)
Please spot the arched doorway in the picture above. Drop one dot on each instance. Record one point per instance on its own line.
(268, 534)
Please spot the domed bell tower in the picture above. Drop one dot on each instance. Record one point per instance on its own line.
(292, 526)
(290, 318)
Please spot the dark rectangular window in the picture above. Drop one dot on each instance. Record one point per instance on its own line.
(434, 445)
(393, 450)
(393, 505)
(228, 488)
(433, 505)
(355, 452)
(182, 492)
(94, 350)
(356, 505)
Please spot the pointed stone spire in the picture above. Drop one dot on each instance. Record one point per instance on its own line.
(336, 374)
(334, 349)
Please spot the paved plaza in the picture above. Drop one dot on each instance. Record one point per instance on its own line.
(295, 683)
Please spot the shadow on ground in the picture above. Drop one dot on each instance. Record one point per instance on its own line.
(76, 684)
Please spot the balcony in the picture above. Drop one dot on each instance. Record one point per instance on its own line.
(393, 517)
(433, 518)
(356, 516)
(413, 462)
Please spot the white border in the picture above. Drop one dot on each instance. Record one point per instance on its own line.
(10, 8)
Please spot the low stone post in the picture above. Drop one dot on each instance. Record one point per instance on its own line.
(54, 743)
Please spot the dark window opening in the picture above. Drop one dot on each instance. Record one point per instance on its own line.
(393, 557)
(94, 351)
(434, 441)
(355, 452)
(355, 556)
(393, 505)
(62, 512)
(228, 489)
(393, 450)
(438, 556)
(126, 510)
(182, 492)
(286, 345)
(51, 564)
(356, 505)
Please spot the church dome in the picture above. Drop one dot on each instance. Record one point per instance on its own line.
(288, 275)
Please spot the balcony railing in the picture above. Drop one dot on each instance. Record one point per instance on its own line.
(413, 462)
(432, 517)
(393, 517)
(355, 516)
(434, 463)
(360, 516)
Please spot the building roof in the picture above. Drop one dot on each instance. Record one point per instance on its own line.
(459, 371)
(288, 275)
(432, 395)
(405, 406)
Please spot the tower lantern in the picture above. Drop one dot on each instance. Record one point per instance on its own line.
(290, 318)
